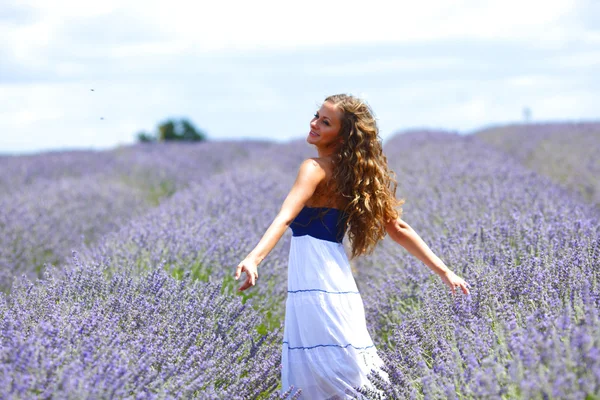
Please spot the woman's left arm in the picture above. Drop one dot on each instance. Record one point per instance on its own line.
(405, 235)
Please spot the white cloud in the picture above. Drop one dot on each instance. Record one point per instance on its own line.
(27, 117)
(579, 60)
(532, 81)
(386, 65)
(578, 104)
(256, 69)
(221, 25)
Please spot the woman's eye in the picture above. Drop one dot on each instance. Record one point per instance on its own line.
(325, 122)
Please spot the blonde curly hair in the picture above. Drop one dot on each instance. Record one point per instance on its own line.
(361, 175)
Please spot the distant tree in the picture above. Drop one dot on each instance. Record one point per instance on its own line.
(166, 131)
(171, 129)
(145, 137)
(179, 130)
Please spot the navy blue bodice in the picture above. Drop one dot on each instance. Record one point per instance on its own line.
(330, 226)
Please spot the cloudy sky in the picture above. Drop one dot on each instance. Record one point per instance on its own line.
(260, 69)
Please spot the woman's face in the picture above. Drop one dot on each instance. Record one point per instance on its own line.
(325, 126)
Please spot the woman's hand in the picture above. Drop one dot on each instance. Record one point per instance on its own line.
(454, 281)
(251, 269)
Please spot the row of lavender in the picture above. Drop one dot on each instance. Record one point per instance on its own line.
(567, 152)
(530, 250)
(59, 201)
(114, 323)
(148, 164)
(210, 227)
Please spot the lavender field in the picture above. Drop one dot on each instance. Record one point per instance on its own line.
(116, 269)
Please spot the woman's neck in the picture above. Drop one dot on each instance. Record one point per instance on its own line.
(327, 152)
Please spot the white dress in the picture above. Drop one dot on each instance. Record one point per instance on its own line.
(327, 349)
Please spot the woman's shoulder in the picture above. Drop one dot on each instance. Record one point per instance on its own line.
(322, 164)
(313, 168)
(315, 164)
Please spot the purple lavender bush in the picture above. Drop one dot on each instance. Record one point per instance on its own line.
(565, 152)
(211, 226)
(43, 222)
(153, 166)
(61, 201)
(19, 171)
(145, 336)
(163, 168)
(529, 248)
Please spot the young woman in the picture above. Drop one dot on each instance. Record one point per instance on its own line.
(327, 350)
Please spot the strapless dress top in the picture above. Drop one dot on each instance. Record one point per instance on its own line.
(331, 225)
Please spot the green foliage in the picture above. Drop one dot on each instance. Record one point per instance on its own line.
(199, 271)
(165, 188)
(179, 130)
(170, 129)
(144, 137)
(154, 191)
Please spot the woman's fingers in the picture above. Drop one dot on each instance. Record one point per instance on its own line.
(250, 280)
(465, 288)
(238, 272)
(251, 274)
(245, 286)
(459, 283)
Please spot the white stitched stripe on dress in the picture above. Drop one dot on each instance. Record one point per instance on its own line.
(326, 345)
(319, 290)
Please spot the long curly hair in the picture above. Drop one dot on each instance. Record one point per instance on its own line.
(361, 175)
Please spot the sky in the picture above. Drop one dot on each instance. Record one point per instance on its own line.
(78, 74)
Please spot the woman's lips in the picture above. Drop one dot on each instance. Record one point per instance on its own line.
(311, 133)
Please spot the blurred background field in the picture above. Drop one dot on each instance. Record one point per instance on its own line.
(117, 266)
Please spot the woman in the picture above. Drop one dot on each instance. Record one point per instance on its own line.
(326, 347)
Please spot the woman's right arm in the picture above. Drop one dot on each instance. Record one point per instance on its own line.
(309, 176)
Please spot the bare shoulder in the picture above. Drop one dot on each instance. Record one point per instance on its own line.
(320, 163)
(314, 164)
(313, 169)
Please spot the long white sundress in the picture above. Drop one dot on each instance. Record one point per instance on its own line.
(327, 349)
